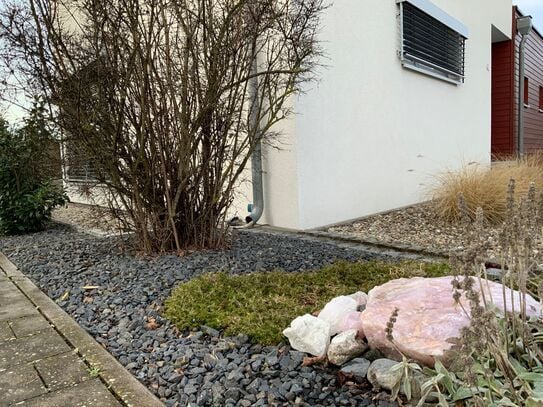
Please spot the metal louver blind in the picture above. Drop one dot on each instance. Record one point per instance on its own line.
(428, 44)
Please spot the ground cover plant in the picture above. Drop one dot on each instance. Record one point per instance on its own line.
(498, 359)
(261, 305)
(28, 193)
(485, 187)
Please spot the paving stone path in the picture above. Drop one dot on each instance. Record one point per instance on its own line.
(48, 360)
(37, 366)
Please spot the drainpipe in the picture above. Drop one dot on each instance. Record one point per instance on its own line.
(256, 209)
(524, 26)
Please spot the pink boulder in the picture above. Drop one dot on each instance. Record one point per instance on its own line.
(428, 316)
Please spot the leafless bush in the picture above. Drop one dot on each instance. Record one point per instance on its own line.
(159, 95)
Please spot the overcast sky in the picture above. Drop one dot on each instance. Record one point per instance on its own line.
(533, 8)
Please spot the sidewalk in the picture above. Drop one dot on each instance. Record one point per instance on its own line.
(46, 358)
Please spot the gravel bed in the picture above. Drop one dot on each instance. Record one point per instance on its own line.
(414, 226)
(87, 216)
(182, 368)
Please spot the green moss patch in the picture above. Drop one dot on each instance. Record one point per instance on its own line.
(261, 305)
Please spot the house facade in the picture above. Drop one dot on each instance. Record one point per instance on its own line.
(505, 90)
(404, 94)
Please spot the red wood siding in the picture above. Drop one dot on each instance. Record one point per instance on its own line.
(503, 91)
(505, 88)
(533, 129)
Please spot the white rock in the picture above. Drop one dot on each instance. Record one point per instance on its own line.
(360, 297)
(335, 311)
(309, 334)
(345, 347)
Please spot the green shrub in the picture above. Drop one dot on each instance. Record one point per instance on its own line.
(261, 305)
(27, 192)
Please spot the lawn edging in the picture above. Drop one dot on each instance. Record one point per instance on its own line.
(119, 381)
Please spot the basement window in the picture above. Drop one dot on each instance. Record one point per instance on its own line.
(432, 42)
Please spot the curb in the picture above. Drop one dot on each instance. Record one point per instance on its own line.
(408, 251)
(400, 247)
(119, 381)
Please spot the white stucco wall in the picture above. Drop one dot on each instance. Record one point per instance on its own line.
(370, 135)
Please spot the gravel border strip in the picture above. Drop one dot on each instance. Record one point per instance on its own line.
(401, 247)
(119, 381)
(400, 251)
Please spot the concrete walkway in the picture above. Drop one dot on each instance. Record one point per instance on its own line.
(47, 360)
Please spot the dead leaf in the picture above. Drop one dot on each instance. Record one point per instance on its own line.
(88, 300)
(151, 324)
(64, 296)
(90, 287)
(312, 360)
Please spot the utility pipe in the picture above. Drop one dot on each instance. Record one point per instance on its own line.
(257, 207)
(521, 107)
(524, 27)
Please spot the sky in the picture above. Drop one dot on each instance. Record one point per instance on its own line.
(533, 8)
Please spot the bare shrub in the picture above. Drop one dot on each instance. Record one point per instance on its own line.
(168, 99)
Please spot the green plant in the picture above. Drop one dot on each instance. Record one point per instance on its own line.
(94, 371)
(498, 360)
(27, 191)
(261, 305)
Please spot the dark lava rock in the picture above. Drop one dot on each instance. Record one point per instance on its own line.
(197, 369)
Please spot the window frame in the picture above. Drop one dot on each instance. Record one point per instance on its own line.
(420, 64)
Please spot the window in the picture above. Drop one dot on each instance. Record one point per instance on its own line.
(432, 42)
(526, 92)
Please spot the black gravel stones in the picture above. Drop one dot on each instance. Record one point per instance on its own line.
(117, 298)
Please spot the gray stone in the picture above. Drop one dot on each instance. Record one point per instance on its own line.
(380, 374)
(356, 368)
(372, 355)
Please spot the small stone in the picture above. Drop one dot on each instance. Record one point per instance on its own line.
(309, 334)
(210, 331)
(357, 369)
(372, 355)
(345, 346)
(380, 374)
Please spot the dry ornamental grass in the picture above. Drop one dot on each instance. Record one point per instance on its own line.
(485, 187)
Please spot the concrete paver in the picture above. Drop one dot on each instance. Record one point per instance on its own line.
(91, 393)
(20, 383)
(44, 355)
(5, 331)
(62, 371)
(31, 348)
(30, 325)
(17, 309)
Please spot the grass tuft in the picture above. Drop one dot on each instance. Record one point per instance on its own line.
(485, 187)
(261, 305)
